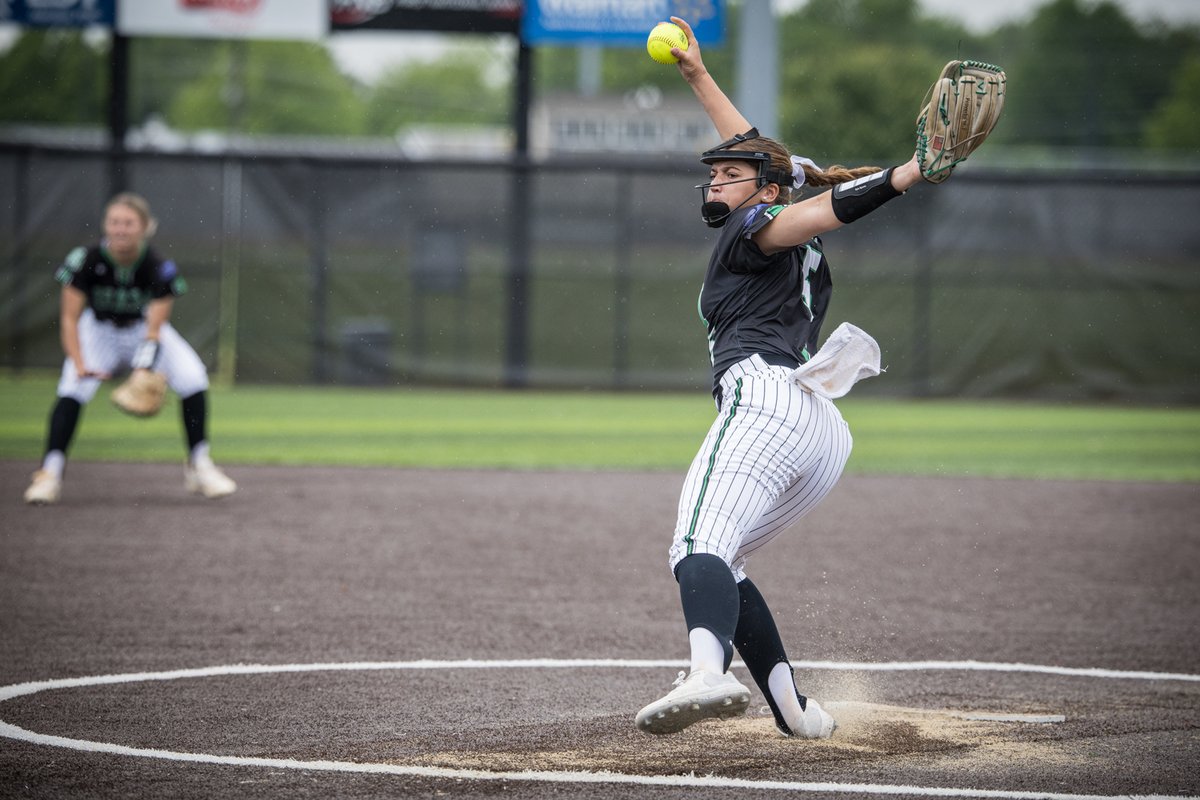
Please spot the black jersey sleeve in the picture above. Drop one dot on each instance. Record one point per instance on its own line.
(739, 252)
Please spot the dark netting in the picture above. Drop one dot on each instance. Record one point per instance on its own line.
(308, 270)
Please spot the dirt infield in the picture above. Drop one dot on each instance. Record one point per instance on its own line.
(359, 577)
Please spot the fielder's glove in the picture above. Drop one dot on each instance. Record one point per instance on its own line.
(959, 112)
(142, 393)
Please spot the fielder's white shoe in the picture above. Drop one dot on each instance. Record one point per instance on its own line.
(205, 478)
(700, 695)
(45, 489)
(816, 723)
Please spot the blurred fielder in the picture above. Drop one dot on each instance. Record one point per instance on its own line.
(115, 309)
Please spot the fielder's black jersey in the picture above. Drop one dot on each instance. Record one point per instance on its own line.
(751, 303)
(117, 293)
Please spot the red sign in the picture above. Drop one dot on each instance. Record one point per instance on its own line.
(472, 16)
(235, 6)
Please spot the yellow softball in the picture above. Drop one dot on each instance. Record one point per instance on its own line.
(665, 36)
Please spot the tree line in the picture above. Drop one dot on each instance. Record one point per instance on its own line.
(1081, 74)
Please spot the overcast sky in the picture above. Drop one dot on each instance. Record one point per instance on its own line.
(981, 15)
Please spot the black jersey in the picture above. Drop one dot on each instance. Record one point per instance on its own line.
(754, 303)
(117, 293)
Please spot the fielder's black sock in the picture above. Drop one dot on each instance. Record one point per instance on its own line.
(195, 417)
(64, 418)
(758, 642)
(710, 598)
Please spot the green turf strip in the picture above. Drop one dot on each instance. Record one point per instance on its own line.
(600, 430)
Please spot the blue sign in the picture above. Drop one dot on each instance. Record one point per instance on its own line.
(59, 13)
(616, 23)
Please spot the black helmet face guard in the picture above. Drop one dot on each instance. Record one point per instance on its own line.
(715, 214)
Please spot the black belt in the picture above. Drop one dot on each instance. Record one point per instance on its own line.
(779, 361)
(125, 322)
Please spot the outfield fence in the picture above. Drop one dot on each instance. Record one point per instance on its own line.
(377, 270)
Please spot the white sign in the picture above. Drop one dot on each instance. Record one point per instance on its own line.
(225, 19)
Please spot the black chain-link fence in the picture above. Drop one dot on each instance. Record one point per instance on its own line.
(302, 269)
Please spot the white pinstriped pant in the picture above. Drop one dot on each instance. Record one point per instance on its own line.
(774, 451)
(107, 348)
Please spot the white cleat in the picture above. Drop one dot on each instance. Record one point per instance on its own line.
(816, 724)
(700, 695)
(205, 478)
(45, 489)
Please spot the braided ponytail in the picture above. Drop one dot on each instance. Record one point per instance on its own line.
(833, 175)
(781, 162)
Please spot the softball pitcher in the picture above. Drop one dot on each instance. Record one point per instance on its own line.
(779, 444)
(115, 308)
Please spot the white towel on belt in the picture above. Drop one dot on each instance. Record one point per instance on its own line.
(848, 356)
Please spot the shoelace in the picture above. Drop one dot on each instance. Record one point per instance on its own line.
(680, 678)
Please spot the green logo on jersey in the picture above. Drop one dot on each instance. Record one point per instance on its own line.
(121, 300)
(812, 260)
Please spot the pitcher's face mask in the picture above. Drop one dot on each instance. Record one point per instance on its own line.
(715, 213)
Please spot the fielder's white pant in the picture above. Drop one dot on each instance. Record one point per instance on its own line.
(774, 451)
(107, 348)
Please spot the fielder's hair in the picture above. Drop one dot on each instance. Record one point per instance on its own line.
(781, 160)
(139, 206)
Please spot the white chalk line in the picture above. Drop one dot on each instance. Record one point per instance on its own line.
(15, 690)
(8, 730)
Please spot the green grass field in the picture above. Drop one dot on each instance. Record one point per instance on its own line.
(577, 430)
